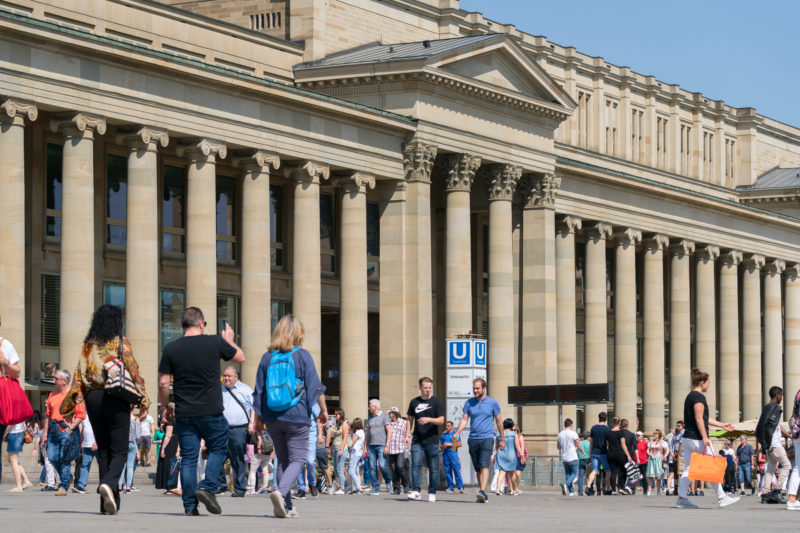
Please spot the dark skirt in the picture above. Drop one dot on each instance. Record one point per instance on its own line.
(163, 463)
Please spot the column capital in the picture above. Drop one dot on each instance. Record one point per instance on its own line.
(83, 124)
(732, 257)
(15, 110)
(776, 266)
(539, 190)
(755, 262)
(709, 252)
(308, 171)
(459, 171)
(656, 242)
(501, 181)
(569, 224)
(202, 149)
(356, 182)
(143, 137)
(683, 247)
(598, 230)
(793, 271)
(628, 237)
(257, 163)
(418, 160)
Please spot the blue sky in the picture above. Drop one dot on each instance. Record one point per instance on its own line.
(745, 53)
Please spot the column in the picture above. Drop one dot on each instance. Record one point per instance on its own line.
(626, 375)
(792, 377)
(751, 337)
(77, 231)
(459, 172)
(501, 181)
(565, 305)
(143, 243)
(12, 222)
(596, 332)
(729, 336)
(680, 329)
(306, 277)
(706, 322)
(773, 328)
(256, 262)
(353, 314)
(201, 226)
(653, 375)
(538, 313)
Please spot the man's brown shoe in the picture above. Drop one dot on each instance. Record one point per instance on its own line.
(61, 491)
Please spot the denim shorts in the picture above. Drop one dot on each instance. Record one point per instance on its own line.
(15, 442)
(480, 451)
(598, 460)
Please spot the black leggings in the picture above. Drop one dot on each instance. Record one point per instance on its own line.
(618, 472)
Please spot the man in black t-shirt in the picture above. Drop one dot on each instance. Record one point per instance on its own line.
(191, 363)
(425, 414)
(597, 437)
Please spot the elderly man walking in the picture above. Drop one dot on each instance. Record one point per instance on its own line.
(237, 405)
(58, 429)
(379, 434)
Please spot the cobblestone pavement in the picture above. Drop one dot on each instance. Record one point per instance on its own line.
(533, 511)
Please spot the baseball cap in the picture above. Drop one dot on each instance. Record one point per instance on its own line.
(394, 410)
(639, 433)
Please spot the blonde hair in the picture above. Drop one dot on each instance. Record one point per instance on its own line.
(288, 333)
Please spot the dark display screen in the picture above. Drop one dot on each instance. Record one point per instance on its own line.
(561, 394)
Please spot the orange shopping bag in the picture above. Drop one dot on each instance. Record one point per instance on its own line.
(707, 467)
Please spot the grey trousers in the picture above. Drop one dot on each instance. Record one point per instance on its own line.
(291, 447)
(776, 458)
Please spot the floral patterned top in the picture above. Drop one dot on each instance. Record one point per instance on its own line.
(90, 373)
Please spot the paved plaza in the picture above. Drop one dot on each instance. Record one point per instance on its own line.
(539, 511)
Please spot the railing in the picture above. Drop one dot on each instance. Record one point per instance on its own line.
(543, 471)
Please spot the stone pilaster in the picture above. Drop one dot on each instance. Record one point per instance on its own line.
(256, 263)
(565, 305)
(306, 270)
(751, 337)
(13, 113)
(773, 328)
(77, 230)
(680, 337)
(729, 336)
(706, 322)
(143, 241)
(596, 328)
(201, 226)
(792, 350)
(353, 313)
(654, 364)
(626, 374)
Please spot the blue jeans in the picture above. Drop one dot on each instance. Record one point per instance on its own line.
(571, 470)
(55, 442)
(377, 460)
(310, 466)
(338, 466)
(126, 479)
(582, 464)
(213, 429)
(431, 453)
(86, 462)
(452, 469)
(745, 473)
(237, 446)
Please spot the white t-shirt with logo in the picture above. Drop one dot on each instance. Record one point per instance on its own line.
(567, 440)
(145, 425)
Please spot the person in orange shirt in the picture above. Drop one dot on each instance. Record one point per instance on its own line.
(58, 428)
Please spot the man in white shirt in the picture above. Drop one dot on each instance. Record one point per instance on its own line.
(237, 402)
(568, 443)
(145, 436)
(9, 366)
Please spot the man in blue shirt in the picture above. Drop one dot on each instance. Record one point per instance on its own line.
(597, 437)
(449, 443)
(744, 454)
(237, 404)
(480, 411)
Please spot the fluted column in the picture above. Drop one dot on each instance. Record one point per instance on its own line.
(596, 329)
(792, 378)
(706, 323)
(653, 380)
(353, 314)
(501, 181)
(458, 171)
(751, 337)
(256, 264)
(141, 263)
(625, 378)
(680, 333)
(12, 222)
(201, 226)
(565, 305)
(306, 275)
(729, 336)
(773, 328)
(539, 357)
(77, 230)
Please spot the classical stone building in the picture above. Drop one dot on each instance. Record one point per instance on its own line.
(393, 172)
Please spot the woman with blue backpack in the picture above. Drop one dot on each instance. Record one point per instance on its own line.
(287, 387)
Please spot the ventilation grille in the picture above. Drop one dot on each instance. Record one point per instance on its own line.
(51, 310)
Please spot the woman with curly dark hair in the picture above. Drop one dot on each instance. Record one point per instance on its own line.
(109, 415)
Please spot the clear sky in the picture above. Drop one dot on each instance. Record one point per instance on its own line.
(743, 52)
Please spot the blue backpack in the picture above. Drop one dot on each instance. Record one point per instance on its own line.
(284, 389)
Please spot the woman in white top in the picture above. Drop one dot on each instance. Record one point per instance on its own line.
(9, 366)
(356, 451)
(657, 451)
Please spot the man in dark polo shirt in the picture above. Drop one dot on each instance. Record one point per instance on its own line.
(191, 363)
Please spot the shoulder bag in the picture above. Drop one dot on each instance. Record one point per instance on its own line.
(251, 437)
(119, 382)
(14, 404)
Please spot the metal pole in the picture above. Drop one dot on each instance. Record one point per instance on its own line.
(560, 419)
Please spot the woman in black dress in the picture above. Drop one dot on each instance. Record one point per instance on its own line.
(169, 449)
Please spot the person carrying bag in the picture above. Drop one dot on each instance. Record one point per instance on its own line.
(14, 404)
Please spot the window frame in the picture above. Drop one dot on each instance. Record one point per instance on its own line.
(172, 230)
(108, 220)
(234, 237)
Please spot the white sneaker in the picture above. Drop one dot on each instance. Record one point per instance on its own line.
(727, 500)
(414, 495)
(571, 493)
(684, 503)
(432, 498)
(340, 491)
(793, 506)
(449, 491)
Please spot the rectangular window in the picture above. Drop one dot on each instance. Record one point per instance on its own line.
(172, 303)
(584, 114)
(708, 150)
(637, 135)
(730, 157)
(276, 226)
(611, 127)
(228, 310)
(50, 333)
(55, 154)
(327, 236)
(686, 149)
(226, 218)
(116, 200)
(114, 294)
(279, 309)
(373, 242)
(173, 210)
(661, 142)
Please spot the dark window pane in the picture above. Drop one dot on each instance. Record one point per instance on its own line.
(117, 179)
(53, 186)
(328, 263)
(373, 231)
(276, 257)
(173, 243)
(117, 234)
(276, 214)
(172, 303)
(54, 226)
(226, 250)
(174, 197)
(226, 192)
(326, 234)
(373, 270)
